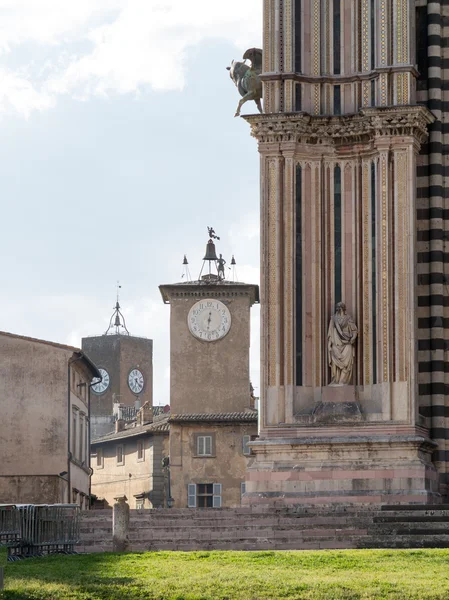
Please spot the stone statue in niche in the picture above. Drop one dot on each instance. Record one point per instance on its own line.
(341, 337)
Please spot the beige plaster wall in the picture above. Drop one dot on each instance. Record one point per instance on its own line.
(210, 377)
(227, 467)
(134, 476)
(33, 489)
(34, 428)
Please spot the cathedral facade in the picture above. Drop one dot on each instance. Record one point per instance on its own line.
(353, 251)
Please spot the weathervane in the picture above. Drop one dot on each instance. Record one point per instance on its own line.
(211, 232)
(211, 257)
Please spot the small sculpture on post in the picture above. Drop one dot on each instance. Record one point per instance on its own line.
(220, 267)
(341, 337)
(247, 79)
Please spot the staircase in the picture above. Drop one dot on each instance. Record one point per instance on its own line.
(417, 526)
(268, 528)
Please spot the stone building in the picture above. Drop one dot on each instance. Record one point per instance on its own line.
(126, 366)
(128, 461)
(212, 410)
(44, 431)
(353, 174)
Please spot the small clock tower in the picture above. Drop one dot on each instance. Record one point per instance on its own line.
(212, 412)
(125, 363)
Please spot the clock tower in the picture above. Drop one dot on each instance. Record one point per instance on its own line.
(210, 397)
(125, 363)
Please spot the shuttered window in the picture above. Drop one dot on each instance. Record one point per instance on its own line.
(217, 495)
(204, 495)
(242, 489)
(191, 492)
(204, 445)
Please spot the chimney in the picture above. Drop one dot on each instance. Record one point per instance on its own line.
(119, 425)
(145, 414)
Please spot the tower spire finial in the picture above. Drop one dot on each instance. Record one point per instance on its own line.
(117, 320)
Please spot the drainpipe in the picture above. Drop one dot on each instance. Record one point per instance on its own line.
(94, 382)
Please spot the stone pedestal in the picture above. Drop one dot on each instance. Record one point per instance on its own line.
(338, 404)
(344, 466)
(120, 524)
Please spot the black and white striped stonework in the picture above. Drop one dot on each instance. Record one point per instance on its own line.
(432, 28)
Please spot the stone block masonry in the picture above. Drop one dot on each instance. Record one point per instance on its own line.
(273, 528)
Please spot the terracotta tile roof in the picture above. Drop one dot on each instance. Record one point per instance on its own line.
(249, 415)
(137, 430)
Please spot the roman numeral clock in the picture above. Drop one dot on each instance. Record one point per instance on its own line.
(209, 320)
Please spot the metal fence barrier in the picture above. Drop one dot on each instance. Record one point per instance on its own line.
(39, 529)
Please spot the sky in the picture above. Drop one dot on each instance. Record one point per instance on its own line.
(118, 147)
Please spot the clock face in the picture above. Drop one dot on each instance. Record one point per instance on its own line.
(136, 381)
(209, 320)
(100, 386)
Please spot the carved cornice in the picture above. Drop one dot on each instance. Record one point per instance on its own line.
(368, 124)
(339, 79)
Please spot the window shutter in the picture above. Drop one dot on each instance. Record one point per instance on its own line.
(216, 502)
(242, 488)
(191, 491)
(208, 445)
(200, 445)
(245, 440)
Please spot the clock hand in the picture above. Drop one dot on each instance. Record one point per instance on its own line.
(209, 320)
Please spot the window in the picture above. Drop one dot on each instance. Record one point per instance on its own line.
(204, 495)
(81, 435)
(245, 448)
(140, 451)
(204, 445)
(74, 496)
(74, 430)
(100, 463)
(242, 490)
(120, 455)
(86, 438)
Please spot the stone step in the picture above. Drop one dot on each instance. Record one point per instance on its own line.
(413, 507)
(306, 543)
(153, 532)
(405, 541)
(412, 518)
(272, 522)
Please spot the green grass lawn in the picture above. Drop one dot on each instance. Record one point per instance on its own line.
(332, 574)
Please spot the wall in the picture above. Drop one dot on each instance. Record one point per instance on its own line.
(210, 377)
(227, 467)
(133, 477)
(34, 439)
(32, 489)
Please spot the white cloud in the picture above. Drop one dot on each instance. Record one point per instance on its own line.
(20, 95)
(128, 44)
